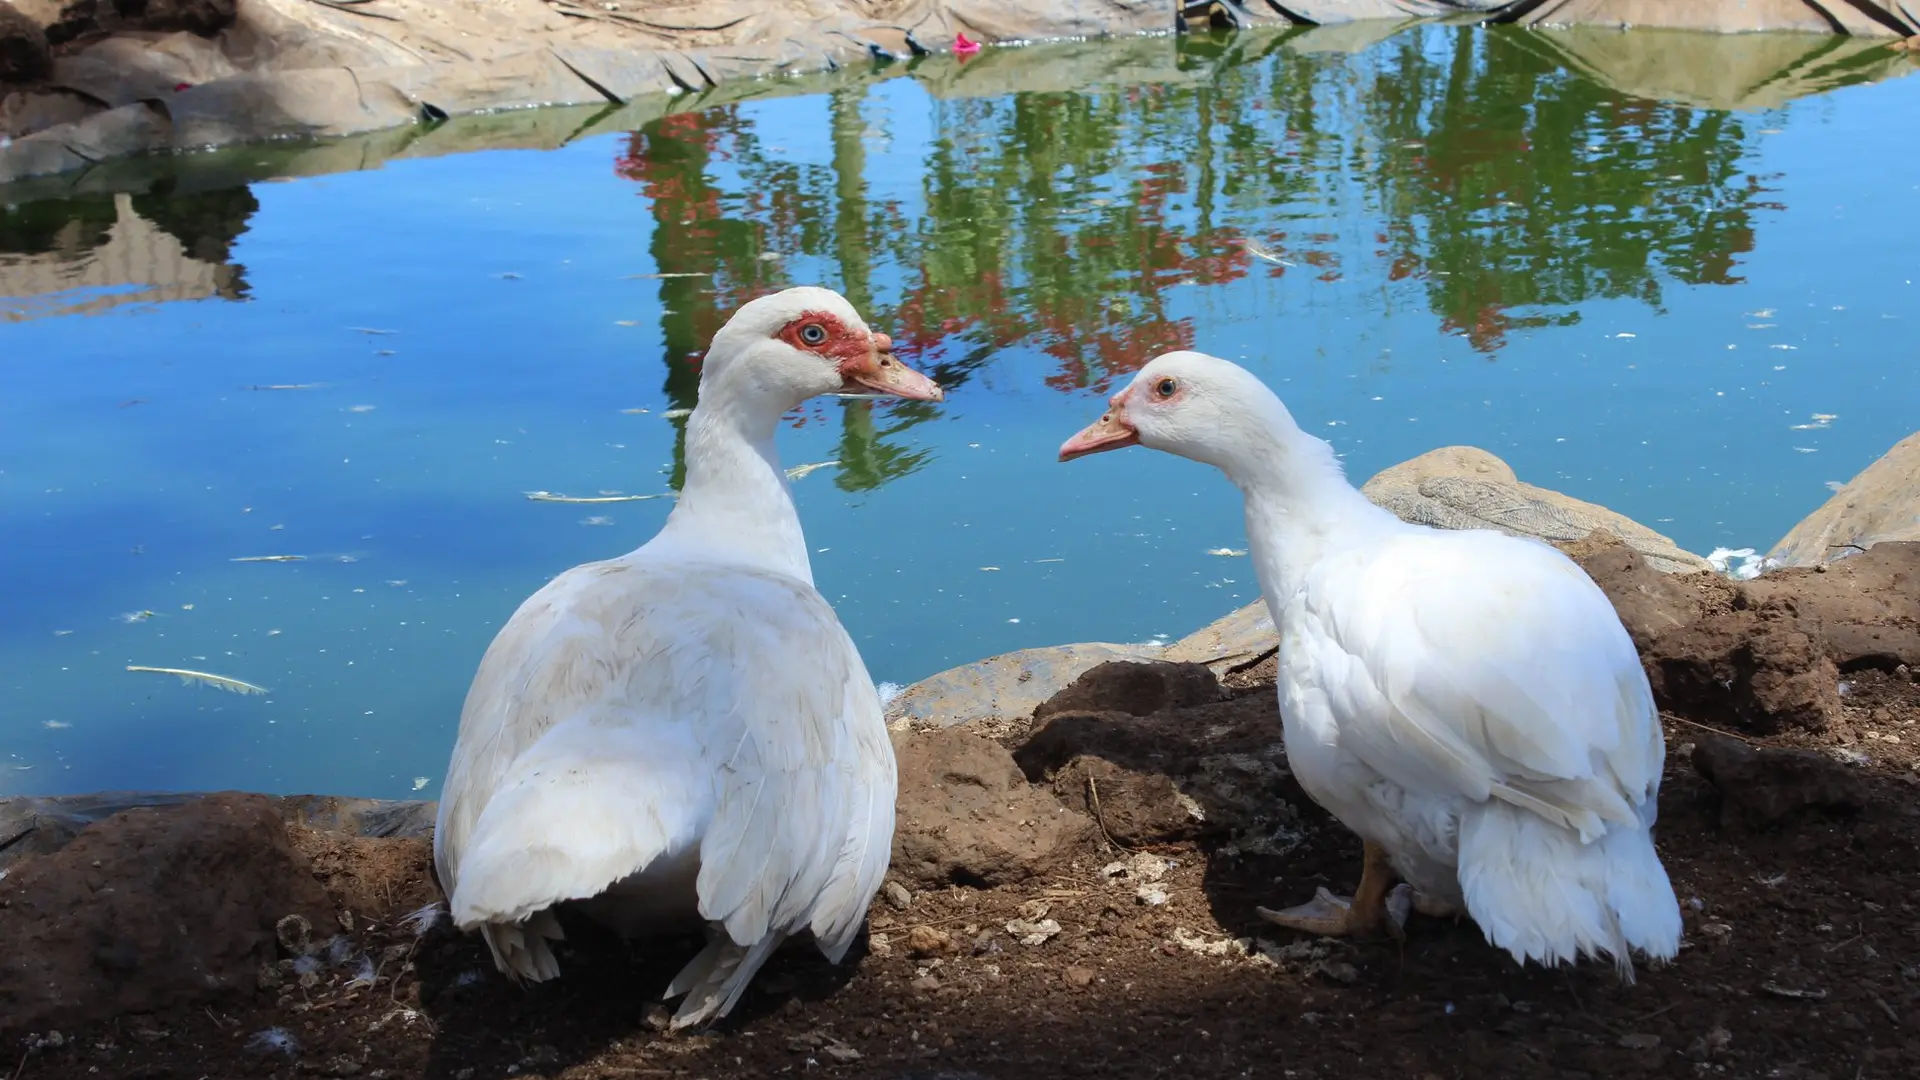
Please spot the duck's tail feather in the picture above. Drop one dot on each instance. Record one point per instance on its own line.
(521, 950)
(1541, 894)
(714, 980)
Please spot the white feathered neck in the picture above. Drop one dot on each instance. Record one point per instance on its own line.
(1300, 507)
(736, 503)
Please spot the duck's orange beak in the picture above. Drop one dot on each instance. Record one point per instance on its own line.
(1111, 432)
(880, 374)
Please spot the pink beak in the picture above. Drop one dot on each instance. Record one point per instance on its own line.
(1111, 432)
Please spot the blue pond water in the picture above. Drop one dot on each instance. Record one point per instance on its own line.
(1697, 317)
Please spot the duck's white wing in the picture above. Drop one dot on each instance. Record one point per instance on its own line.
(627, 709)
(1478, 665)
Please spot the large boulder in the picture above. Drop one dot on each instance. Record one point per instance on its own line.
(24, 53)
(1880, 504)
(1465, 487)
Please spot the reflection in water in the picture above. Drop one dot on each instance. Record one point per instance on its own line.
(1512, 187)
(120, 249)
(1511, 184)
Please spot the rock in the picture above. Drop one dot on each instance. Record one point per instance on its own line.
(1194, 768)
(1880, 504)
(926, 941)
(1078, 976)
(1464, 487)
(1862, 18)
(1003, 687)
(897, 896)
(1766, 654)
(1762, 669)
(151, 909)
(1760, 786)
(1865, 609)
(1649, 603)
(24, 53)
(1137, 688)
(1233, 641)
(966, 815)
(79, 18)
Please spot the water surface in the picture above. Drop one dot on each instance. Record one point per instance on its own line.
(1696, 314)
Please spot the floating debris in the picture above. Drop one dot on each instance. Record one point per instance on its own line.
(420, 782)
(218, 682)
(289, 386)
(55, 725)
(799, 471)
(269, 558)
(136, 616)
(555, 497)
(1820, 421)
(667, 274)
(597, 519)
(635, 412)
(1226, 551)
(360, 408)
(372, 330)
(1750, 565)
(676, 414)
(1257, 251)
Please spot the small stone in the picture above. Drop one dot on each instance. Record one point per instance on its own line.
(346, 920)
(880, 944)
(657, 1017)
(295, 934)
(1035, 910)
(269, 977)
(309, 980)
(341, 1066)
(1033, 933)
(926, 941)
(841, 1052)
(1150, 895)
(926, 983)
(898, 896)
(1078, 976)
(1639, 1042)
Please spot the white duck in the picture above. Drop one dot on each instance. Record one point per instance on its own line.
(686, 734)
(1467, 702)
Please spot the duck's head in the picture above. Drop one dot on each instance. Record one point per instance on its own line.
(781, 350)
(1186, 403)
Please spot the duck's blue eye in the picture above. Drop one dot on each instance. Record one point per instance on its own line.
(813, 334)
(1166, 388)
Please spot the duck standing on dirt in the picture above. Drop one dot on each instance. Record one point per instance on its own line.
(1468, 702)
(686, 734)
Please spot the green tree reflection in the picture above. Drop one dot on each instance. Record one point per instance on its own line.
(1498, 188)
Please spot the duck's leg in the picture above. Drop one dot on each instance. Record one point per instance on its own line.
(1338, 916)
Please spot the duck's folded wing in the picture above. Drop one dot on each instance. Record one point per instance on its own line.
(803, 827)
(1479, 665)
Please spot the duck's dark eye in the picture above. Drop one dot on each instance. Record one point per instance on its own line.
(1165, 388)
(813, 334)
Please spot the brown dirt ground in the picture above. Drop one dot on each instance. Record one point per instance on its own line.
(1801, 958)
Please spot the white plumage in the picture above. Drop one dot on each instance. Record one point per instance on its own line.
(1468, 702)
(686, 734)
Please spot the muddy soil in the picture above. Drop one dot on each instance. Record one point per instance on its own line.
(1074, 897)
